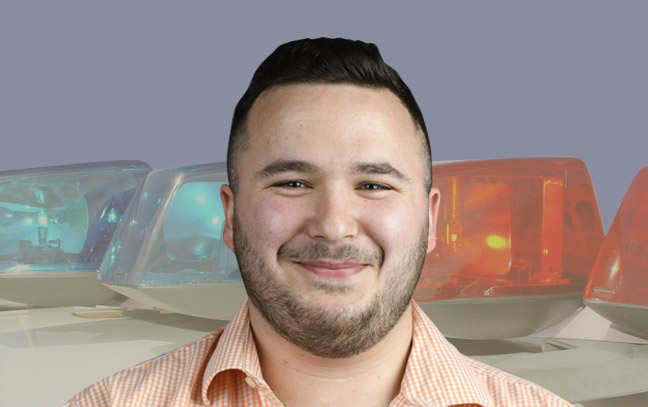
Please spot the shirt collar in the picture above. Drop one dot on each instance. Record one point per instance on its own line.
(235, 350)
(436, 373)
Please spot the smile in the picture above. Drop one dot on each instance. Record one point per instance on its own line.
(329, 269)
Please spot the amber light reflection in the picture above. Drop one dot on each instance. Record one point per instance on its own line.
(512, 227)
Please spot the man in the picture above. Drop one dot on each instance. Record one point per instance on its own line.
(331, 212)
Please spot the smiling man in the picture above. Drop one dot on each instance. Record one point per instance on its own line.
(330, 218)
(331, 212)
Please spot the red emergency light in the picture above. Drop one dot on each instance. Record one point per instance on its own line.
(618, 284)
(516, 239)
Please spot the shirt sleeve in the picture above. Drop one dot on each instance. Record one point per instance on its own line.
(96, 395)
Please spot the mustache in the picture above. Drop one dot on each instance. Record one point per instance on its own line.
(318, 250)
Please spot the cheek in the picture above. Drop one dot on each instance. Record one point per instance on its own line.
(272, 221)
(393, 224)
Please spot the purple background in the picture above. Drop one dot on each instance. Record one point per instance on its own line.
(157, 80)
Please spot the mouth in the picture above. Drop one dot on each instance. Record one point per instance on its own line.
(332, 269)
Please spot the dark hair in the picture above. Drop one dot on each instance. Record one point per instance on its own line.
(321, 60)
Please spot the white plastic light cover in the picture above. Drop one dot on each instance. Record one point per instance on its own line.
(55, 226)
(169, 251)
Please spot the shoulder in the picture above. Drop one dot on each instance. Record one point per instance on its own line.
(179, 372)
(509, 390)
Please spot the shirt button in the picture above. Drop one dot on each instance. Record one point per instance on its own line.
(250, 382)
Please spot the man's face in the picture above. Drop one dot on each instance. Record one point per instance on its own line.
(330, 220)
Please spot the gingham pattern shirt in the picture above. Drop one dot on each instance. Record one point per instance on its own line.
(222, 369)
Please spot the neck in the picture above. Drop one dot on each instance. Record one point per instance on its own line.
(299, 378)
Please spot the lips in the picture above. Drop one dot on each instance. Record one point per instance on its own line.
(329, 269)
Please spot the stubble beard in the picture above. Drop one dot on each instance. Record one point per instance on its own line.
(319, 330)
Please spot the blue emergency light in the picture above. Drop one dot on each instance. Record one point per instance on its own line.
(168, 251)
(55, 226)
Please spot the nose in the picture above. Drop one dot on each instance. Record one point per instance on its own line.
(334, 216)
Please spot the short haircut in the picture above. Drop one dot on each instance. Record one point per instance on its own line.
(321, 61)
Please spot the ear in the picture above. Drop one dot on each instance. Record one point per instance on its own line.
(433, 207)
(227, 198)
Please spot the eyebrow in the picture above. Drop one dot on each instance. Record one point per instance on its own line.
(281, 166)
(380, 168)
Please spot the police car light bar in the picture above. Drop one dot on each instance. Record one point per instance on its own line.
(169, 253)
(618, 285)
(55, 225)
(516, 239)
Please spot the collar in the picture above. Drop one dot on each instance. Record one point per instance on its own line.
(235, 350)
(436, 373)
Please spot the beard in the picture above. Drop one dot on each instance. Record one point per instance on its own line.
(321, 331)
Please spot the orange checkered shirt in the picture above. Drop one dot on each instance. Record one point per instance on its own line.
(222, 369)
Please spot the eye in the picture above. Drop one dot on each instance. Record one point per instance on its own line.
(291, 184)
(372, 186)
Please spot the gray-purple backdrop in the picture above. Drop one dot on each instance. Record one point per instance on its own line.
(157, 80)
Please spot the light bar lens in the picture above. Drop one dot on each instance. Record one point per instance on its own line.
(169, 251)
(173, 234)
(618, 285)
(193, 225)
(61, 219)
(512, 228)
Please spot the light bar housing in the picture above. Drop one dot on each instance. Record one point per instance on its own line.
(618, 285)
(516, 239)
(169, 252)
(55, 226)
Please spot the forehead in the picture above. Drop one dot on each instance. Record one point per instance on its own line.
(316, 119)
(294, 100)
